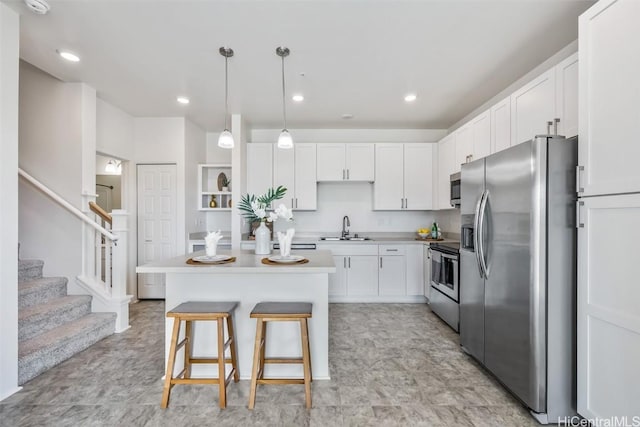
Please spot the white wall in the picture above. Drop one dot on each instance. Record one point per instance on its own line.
(9, 57)
(195, 141)
(216, 154)
(50, 149)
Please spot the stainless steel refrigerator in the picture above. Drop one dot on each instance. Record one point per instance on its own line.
(518, 271)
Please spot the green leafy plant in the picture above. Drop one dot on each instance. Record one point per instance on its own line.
(226, 181)
(253, 207)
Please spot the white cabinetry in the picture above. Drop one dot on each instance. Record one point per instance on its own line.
(610, 98)
(473, 140)
(338, 280)
(392, 270)
(608, 293)
(414, 259)
(345, 162)
(404, 177)
(356, 270)
(608, 313)
(296, 170)
(210, 194)
(532, 107)
(567, 96)
(501, 125)
(259, 168)
(446, 166)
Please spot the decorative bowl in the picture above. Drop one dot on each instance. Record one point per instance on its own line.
(424, 235)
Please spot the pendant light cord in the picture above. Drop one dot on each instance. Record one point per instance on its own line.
(226, 91)
(284, 112)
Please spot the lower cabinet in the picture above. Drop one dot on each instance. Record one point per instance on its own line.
(376, 273)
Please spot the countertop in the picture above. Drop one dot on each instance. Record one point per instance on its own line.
(246, 262)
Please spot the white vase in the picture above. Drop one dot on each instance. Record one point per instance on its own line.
(263, 239)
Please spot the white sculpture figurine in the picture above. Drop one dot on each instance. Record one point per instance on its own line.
(211, 242)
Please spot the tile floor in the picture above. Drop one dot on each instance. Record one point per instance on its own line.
(391, 365)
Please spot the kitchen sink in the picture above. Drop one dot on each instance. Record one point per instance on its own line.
(349, 239)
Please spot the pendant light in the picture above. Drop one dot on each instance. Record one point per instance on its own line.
(284, 140)
(226, 138)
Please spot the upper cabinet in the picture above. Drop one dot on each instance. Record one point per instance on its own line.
(473, 140)
(501, 125)
(404, 178)
(609, 146)
(567, 96)
(345, 162)
(295, 169)
(446, 166)
(259, 168)
(532, 107)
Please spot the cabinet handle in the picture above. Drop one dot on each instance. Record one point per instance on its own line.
(391, 250)
(380, 262)
(349, 262)
(296, 203)
(347, 173)
(579, 187)
(579, 223)
(344, 262)
(343, 174)
(549, 128)
(555, 125)
(406, 203)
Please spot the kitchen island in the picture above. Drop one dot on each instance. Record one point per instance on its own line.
(249, 282)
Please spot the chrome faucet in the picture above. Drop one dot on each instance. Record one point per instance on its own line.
(345, 223)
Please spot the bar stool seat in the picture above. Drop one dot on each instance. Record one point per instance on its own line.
(280, 312)
(189, 312)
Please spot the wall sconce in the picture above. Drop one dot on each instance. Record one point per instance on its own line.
(114, 167)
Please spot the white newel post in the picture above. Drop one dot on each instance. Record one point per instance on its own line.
(119, 269)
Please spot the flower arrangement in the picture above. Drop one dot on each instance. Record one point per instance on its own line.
(254, 208)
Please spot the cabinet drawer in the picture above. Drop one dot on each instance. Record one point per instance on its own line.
(347, 249)
(391, 250)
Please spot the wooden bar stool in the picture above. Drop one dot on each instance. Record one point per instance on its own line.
(280, 312)
(190, 312)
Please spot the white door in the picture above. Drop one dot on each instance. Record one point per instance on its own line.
(284, 174)
(362, 275)
(610, 97)
(259, 168)
(306, 185)
(338, 280)
(388, 188)
(360, 162)
(532, 107)
(609, 308)
(481, 128)
(391, 276)
(567, 96)
(156, 223)
(501, 125)
(418, 176)
(331, 162)
(446, 166)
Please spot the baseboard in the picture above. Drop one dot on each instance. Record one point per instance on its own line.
(375, 299)
(10, 393)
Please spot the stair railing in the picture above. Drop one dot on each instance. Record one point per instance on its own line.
(108, 278)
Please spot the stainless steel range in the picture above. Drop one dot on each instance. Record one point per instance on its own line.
(445, 283)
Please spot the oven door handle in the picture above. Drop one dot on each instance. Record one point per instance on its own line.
(476, 233)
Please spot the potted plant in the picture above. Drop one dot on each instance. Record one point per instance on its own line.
(254, 209)
(225, 183)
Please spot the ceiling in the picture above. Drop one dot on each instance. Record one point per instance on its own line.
(358, 57)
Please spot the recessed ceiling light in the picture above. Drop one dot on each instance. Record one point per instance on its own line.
(298, 98)
(72, 57)
(347, 116)
(41, 7)
(410, 97)
(182, 100)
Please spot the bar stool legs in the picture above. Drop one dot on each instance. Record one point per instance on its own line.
(190, 312)
(270, 312)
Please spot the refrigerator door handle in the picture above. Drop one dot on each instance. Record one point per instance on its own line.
(480, 231)
(476, 234)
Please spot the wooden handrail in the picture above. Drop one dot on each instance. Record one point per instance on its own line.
(96, 209)
(68, 206)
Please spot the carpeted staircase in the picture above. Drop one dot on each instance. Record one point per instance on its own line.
(53, 326)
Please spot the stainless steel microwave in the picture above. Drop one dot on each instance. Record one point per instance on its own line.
(455, 189)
